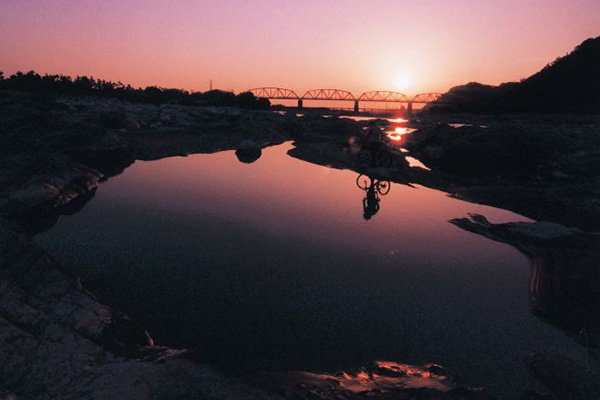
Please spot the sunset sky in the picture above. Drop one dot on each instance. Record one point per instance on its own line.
(410, 46)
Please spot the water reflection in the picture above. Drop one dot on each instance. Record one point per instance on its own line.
(397, 134)
(373, 189)
(564, 290)
(379, 380)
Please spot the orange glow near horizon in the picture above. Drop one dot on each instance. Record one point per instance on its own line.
(355, 45)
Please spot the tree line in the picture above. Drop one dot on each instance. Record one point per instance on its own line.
(89, 86)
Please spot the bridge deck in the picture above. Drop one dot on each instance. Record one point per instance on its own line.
(377, 96)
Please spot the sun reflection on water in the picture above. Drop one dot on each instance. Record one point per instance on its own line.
(397, 134)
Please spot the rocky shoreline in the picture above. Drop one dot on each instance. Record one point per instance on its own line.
(58, 341)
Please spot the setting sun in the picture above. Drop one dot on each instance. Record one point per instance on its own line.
(401, 82)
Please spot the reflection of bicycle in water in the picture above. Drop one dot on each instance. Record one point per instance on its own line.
(373, 189)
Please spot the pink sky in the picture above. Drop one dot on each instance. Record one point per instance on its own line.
(411, 46)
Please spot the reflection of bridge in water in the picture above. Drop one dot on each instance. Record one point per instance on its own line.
(379, 96)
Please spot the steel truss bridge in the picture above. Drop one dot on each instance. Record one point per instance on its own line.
(379, 96)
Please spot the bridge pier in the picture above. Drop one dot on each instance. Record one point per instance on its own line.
(409, 109)
(300, 104)
(355, 106)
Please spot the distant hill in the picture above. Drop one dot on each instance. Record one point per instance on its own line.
(568, 84)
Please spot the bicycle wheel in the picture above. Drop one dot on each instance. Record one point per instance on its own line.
(362, 182)
(384, 187)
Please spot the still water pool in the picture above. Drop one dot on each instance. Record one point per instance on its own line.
(272, 265)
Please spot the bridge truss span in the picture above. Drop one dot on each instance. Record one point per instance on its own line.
(426, 98)
(328, 94)
(375, 96)
(275, 93)
(384, 97)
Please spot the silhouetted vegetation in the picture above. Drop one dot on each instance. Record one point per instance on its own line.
(568, 84)
(88, 86)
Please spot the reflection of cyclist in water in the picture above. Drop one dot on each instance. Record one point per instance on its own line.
(370, 202)
(373, 189)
